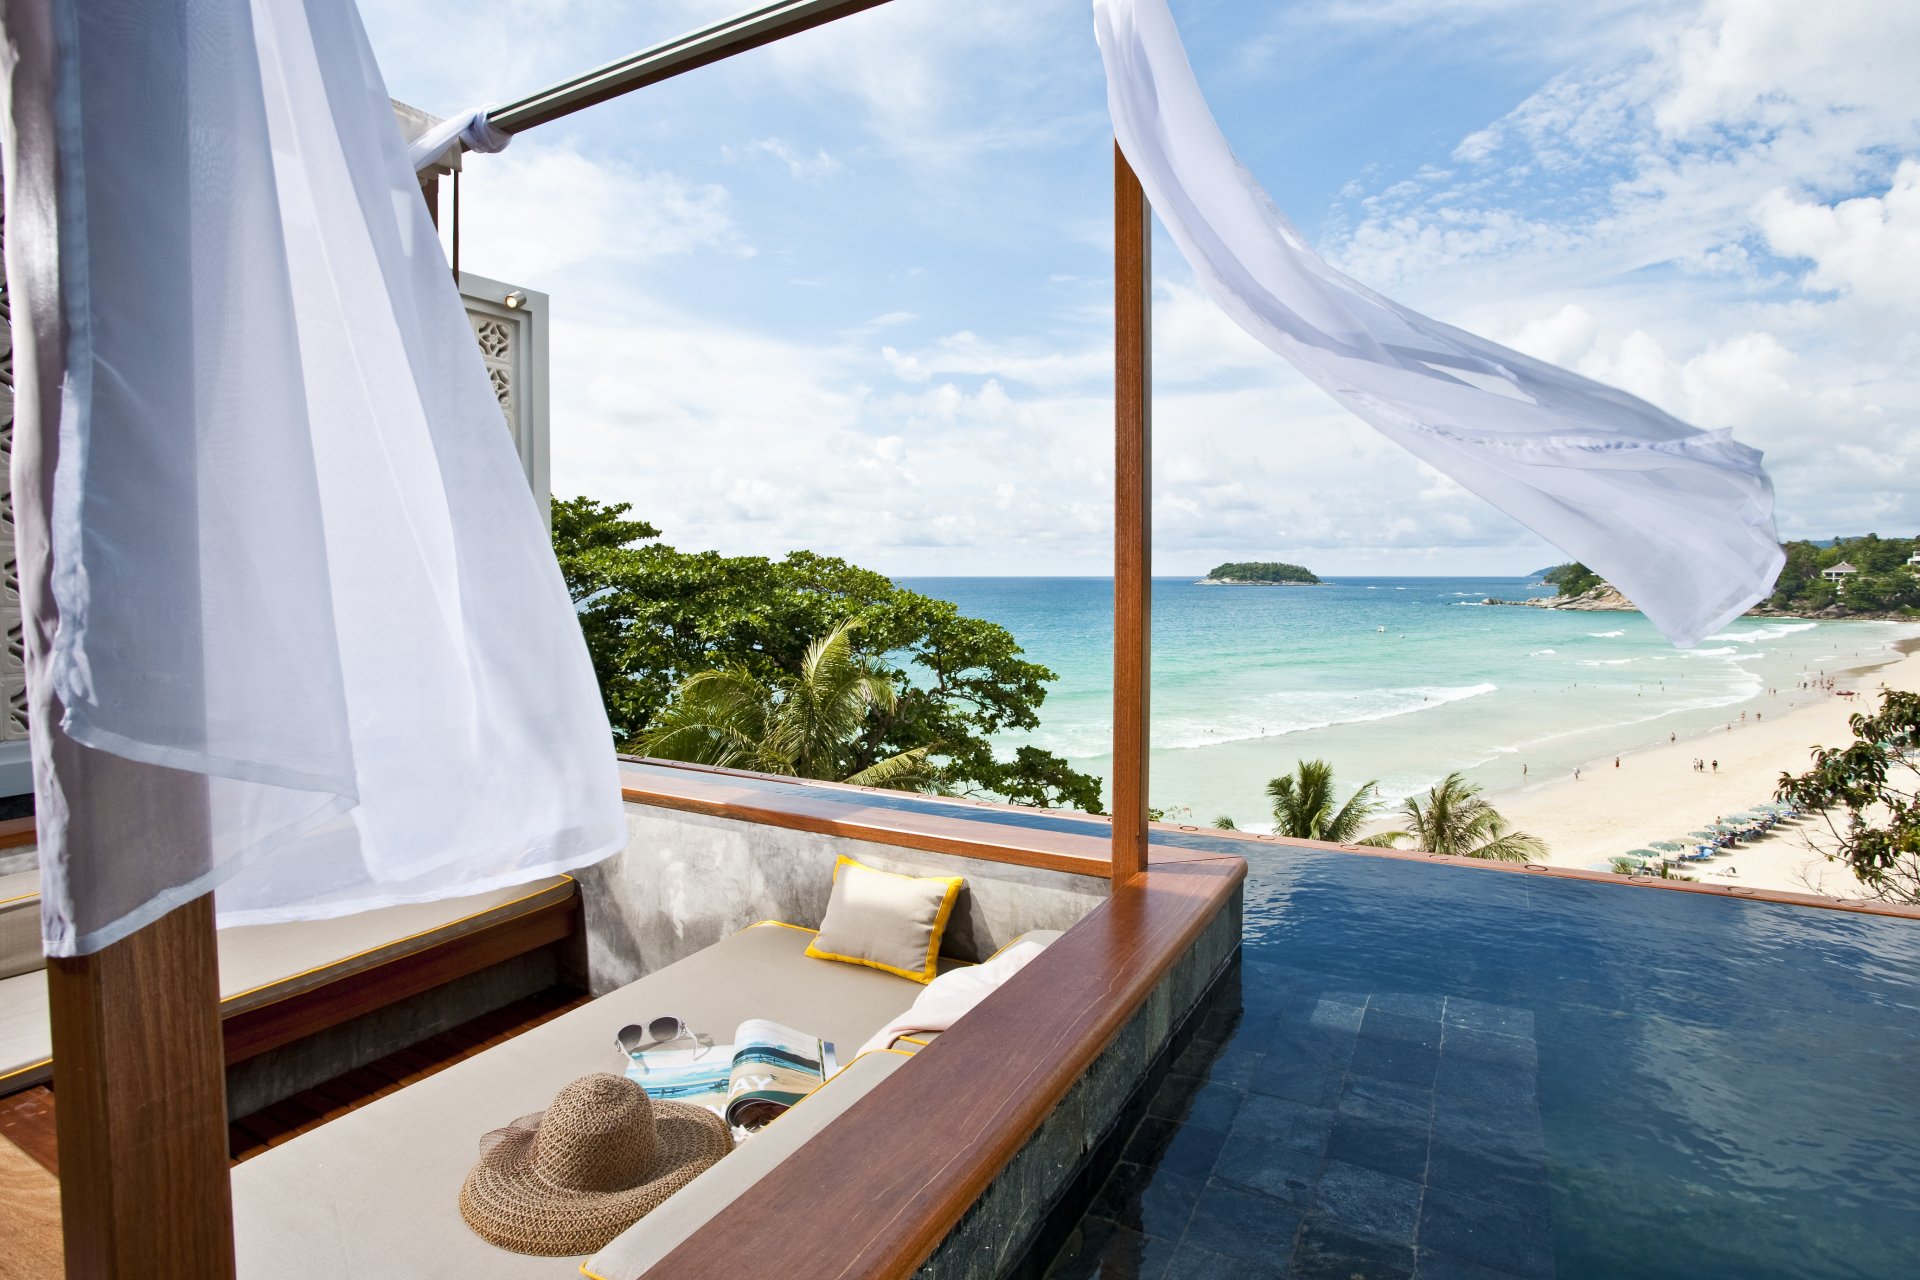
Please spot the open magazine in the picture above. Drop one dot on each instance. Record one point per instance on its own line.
(764, 1071)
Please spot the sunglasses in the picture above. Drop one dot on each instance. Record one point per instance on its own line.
(635, 1038)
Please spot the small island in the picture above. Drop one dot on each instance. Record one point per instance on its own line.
(1260, 573)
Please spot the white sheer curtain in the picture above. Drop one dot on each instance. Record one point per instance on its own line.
(1680, 520)
(278, 546)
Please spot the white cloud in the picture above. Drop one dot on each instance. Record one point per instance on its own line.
(943, 89)
(1776, 63)
(1868, 247)
(802, 168)
(1702, 201)
(536, 212)
(1722, 216)
(906, 368)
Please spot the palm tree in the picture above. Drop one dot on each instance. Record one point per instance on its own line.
(1454, 819)
(805, 725)
(1303, 806)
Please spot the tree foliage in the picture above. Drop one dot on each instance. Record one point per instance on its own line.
(1263, 571)
(1883, 584)
(1868, 792)
(1454, 819)
(805, 725)
(1304, 806)
(1573, 579)
(654, 616)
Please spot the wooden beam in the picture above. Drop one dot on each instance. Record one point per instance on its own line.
(137, 1067)
(1132, 515)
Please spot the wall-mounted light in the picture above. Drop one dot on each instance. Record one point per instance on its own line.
(515, 300)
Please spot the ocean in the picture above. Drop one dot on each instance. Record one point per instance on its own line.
(1398, 680)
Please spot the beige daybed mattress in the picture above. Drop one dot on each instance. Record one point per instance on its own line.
(373, 1194)
(262, 963)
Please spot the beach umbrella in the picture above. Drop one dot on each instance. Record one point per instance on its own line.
(1641, 854)
(1703, 835)
(1668, 846)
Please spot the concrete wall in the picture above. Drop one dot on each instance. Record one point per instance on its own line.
(685, 881)
(280, 1073)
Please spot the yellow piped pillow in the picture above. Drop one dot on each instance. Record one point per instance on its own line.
(885, 920)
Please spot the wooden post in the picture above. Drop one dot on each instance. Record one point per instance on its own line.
(139, 1075)
(1132, 515)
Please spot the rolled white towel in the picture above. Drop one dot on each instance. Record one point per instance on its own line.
(954, 994)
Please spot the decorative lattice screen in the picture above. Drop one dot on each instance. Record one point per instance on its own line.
(13, 683)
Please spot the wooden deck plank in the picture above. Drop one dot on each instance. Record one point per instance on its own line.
(30, 1246)
(26, 1119)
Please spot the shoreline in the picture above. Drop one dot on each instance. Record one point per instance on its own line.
(1654, 794)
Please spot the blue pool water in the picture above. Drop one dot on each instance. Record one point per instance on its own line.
(1460, 1074)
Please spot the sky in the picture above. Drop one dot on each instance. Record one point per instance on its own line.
(853, 292)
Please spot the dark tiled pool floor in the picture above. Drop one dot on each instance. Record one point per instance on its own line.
(1332, 1133)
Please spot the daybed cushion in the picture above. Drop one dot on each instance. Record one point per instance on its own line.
(652, 1238)
(26, 1037)
(20, 924)
(373, 1193)
(886, 920)
(263, 963)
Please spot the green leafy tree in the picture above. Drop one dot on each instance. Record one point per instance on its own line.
(1572, 579)
(1868, 794)
(1224, 823)
(654, 616)
(806, 725)
(1304, 806)
(1883, 584)
(1263, 571)
(1454, 819)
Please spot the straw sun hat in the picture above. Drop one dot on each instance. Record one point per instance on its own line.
(569, 1179)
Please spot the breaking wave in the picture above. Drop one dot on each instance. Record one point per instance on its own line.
(1771, 631)
(1271, 715)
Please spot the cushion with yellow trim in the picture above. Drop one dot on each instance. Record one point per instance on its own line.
(885, 920)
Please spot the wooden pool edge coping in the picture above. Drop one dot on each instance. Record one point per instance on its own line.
(835, 809)
(832, 808)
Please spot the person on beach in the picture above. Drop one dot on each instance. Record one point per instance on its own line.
(1716, 766)
(1576, 775)
(1616, 762)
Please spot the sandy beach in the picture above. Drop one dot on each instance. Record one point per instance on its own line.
(1655, 794)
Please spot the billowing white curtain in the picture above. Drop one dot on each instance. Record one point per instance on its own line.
(295, 632)
(1681, 520)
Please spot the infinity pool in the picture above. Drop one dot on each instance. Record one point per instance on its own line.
(1458, 1074)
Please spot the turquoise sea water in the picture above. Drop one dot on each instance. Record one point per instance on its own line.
(1399, 679)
